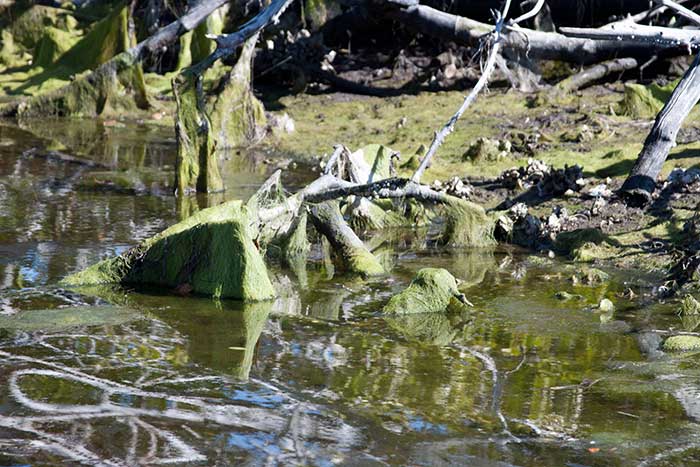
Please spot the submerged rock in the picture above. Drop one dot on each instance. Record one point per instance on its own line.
(682, 344)
(210, 253)
(63, 318)
(431, 291)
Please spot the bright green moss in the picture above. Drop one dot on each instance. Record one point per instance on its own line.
(682, 344)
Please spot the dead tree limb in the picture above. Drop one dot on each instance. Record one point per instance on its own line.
(626, 34)
(534, 44)
(594, 73)
(641, 182)
(355, 256)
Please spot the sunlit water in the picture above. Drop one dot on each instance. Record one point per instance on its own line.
(318, 377)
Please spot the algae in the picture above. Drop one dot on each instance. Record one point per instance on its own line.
(196, 166)
(237, 116)
(351, 252)
(431, 291)
(682, 343)
(210, 253)
(466, 224)
(642, 101)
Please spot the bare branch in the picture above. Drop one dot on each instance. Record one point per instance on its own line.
(681, 10)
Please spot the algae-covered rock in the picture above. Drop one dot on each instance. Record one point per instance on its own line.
(97, 76)
(487, 149)
(64, 318)
(431, 291)
(682, 344)
(466, 224)
(566, 296)
(209, 253)
(53, 44)
(642, 101)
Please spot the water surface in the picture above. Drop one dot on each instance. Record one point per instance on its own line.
(318, 377)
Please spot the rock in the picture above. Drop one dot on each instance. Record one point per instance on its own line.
(212, 251)
(606, 306)
(566, 296)
(64, 318)
(682, 344)
(431, 291)
(487, 149)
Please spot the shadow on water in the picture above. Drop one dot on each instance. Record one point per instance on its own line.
(318, 376)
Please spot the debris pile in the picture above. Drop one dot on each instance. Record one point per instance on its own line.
(546, 179)
(455, 186)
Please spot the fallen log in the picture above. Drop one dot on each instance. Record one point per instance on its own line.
(596, 72)
(641, 182)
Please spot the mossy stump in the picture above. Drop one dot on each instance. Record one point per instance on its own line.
(196, 165)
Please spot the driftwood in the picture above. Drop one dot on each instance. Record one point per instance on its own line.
(594, 73)
(641, 182)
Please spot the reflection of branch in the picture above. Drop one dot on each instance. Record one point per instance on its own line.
(497, 391)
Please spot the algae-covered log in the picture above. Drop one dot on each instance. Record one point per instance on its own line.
(196, 166)
(431, 291)
(353, 253)
(209, 253)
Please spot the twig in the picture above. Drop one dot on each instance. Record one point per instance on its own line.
(483, 80)
(449, 126)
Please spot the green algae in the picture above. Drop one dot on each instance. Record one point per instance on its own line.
(196, 166)
(53, 44)
(210, 253)
(466, 224)
(237, 116)
(431, 291)
(682, 343)
(642, 101)
(67, 87)
(351, 253)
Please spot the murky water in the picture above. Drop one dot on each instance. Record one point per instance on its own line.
(318, 377)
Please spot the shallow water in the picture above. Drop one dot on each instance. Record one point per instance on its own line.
(318, 377)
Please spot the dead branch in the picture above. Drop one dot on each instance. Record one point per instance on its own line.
(626, 34)
(594, 73)
(533, 44)
(641, 182)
